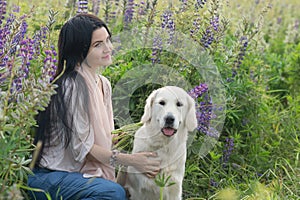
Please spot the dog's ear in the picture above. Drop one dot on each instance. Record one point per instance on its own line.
(148, 107)
(191, 119)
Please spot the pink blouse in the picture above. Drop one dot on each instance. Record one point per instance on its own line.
(74, 157)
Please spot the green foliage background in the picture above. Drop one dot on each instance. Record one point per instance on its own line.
(262, 100)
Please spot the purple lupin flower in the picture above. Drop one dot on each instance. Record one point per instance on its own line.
(184, 4)
(5, 34)
(213, 183)
(214, 22)
(16, 9)
(296, 25)
(208, 36)
(142, 9)
(279, 20)
(196, 26)
(3, 5)
(50, 67)
(1, 42)
(40, 38)
(96, 6)
(82, 6)
(156, 49)
(204, 115)
(203, 109)
(12, 34)
(199, 4)
(243, 44)
(115, 11)
(19, 36)
(25, 53)
(129, 11)
(228, 149)
(113, 14)
(5, 68)
(168, 24)
(198, 91)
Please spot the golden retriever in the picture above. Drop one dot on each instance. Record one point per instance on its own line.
(169, 115)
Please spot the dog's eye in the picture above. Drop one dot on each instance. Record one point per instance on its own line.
(162, 103)
(179, 104)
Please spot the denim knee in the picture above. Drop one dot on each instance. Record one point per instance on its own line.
(106, 190)
(120, 192)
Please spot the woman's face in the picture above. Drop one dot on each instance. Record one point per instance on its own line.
(100, 50)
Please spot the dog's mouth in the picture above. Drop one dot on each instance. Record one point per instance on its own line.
(168, 131)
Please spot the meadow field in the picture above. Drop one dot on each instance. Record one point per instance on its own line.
(239, 59)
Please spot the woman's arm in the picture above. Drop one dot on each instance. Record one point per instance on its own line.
(145, 162)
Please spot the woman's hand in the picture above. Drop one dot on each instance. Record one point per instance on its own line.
(145, 162)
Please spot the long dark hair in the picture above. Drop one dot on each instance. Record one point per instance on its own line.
(57, 120)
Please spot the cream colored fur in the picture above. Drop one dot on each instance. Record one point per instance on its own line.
(161, 104)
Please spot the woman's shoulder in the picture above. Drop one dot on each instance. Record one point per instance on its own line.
(72, 83)
(104, 80)
(106, 85)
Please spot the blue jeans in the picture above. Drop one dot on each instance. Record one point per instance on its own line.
(73, 186)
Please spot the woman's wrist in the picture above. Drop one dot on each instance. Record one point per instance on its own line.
(113, 158)
(124, 159)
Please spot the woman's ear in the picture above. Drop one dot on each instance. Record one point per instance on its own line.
(191, 118)
(148, 107)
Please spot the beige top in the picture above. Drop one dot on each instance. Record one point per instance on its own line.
(96, 131)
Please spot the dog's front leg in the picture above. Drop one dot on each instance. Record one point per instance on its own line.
(173, 192)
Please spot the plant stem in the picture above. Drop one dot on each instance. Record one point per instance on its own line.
(161, 190)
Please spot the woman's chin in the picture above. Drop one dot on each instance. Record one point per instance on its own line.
(105, 63)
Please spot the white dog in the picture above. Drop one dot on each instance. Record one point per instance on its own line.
(168, 117)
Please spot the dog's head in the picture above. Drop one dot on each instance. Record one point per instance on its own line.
(170, 108)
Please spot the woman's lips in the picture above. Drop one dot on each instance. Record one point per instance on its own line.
(106, 57)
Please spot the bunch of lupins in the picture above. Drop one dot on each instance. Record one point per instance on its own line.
(123, 136)
(203, 108)
(27, 65)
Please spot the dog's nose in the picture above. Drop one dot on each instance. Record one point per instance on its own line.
(169, 120)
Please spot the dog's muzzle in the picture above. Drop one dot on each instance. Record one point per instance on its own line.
(168, 129)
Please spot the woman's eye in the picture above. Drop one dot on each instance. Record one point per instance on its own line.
(179, 104)
(100, 44)
(162, 103)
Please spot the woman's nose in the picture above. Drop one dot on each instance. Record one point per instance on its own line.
(108, 45)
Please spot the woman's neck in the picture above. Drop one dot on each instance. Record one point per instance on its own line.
(91, 70)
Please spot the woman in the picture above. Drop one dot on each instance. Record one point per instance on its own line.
(76, 161)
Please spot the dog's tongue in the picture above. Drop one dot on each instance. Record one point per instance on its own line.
(168, 131)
